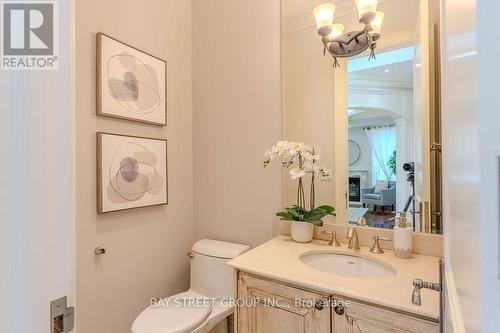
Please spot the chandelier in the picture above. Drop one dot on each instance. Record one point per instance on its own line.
(345, 45)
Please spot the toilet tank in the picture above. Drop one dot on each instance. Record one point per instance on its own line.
(210, 275)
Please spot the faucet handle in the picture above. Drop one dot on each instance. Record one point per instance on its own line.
(361, 222)
(416, 298)
(376, 246)
(333, 241)
(419, 284)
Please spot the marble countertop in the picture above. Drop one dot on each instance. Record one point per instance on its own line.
(279, 259)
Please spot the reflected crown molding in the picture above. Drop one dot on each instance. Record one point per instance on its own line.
(377, 83)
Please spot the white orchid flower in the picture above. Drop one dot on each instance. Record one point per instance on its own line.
(308, 166)
(307, 155)
(304, 157)
(302, 160)
(311, 153)
(294, 148)
(280, 147)
(316, 156)
(269, 155)
(275, 151)
(296, 173)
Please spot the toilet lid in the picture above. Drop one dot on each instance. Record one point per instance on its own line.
(173, 318)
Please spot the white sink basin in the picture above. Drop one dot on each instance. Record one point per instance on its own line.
(347, 265)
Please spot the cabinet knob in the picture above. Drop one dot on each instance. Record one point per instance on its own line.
(339, 309)
(319, 305)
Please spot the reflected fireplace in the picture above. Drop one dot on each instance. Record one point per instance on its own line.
(355, 189)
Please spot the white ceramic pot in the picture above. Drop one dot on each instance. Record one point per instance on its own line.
(302, 232)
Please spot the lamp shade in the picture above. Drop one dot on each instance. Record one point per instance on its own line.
(366, 6)
(337, 30)
(323, 15)
(377, 22)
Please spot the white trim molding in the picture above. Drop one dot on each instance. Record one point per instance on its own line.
(453, 304)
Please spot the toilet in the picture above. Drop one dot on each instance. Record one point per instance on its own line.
(207, 303)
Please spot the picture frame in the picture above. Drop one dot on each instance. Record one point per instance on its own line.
(132, 172)
(131, 84)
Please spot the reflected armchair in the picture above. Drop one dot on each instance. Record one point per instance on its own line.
(386, 197)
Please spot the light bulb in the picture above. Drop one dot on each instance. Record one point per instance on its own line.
(337, 30)
(377, 22)
(366, 7)
(324, 15)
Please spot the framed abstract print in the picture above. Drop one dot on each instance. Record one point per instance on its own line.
(131, 172)
(131, 84)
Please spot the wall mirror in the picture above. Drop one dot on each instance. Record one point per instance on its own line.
(354, 152)
(377, 120)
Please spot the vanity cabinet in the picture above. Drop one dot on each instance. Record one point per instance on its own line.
(358, 317)
(272, 308)
(267, 306)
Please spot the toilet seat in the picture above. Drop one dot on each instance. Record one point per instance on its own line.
(174, 317)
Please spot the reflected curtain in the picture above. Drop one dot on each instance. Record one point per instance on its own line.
(383, 142)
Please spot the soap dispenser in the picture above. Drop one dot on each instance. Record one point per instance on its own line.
(403, 235)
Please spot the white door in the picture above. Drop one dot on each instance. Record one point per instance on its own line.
(471, 142)
(36, 181)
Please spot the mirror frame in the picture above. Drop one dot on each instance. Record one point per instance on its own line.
(340, 166)
(349, 163)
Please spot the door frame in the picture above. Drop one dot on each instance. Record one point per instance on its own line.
(38, 208)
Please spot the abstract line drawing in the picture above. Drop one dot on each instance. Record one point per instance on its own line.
(131, 177)
(131, 84)
(131, 172)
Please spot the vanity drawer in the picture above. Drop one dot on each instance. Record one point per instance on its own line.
(360, 317)
(272, 307)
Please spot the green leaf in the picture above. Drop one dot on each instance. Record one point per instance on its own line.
(314, 217)
(318, 223)
(294, 212)
(308, 214)
(285, 216)
(328, 209)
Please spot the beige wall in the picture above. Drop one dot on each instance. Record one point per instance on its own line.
(237, 115)
(145, 248)
(309, 105)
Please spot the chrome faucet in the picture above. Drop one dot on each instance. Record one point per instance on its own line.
(419, 284)
(352, 237)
